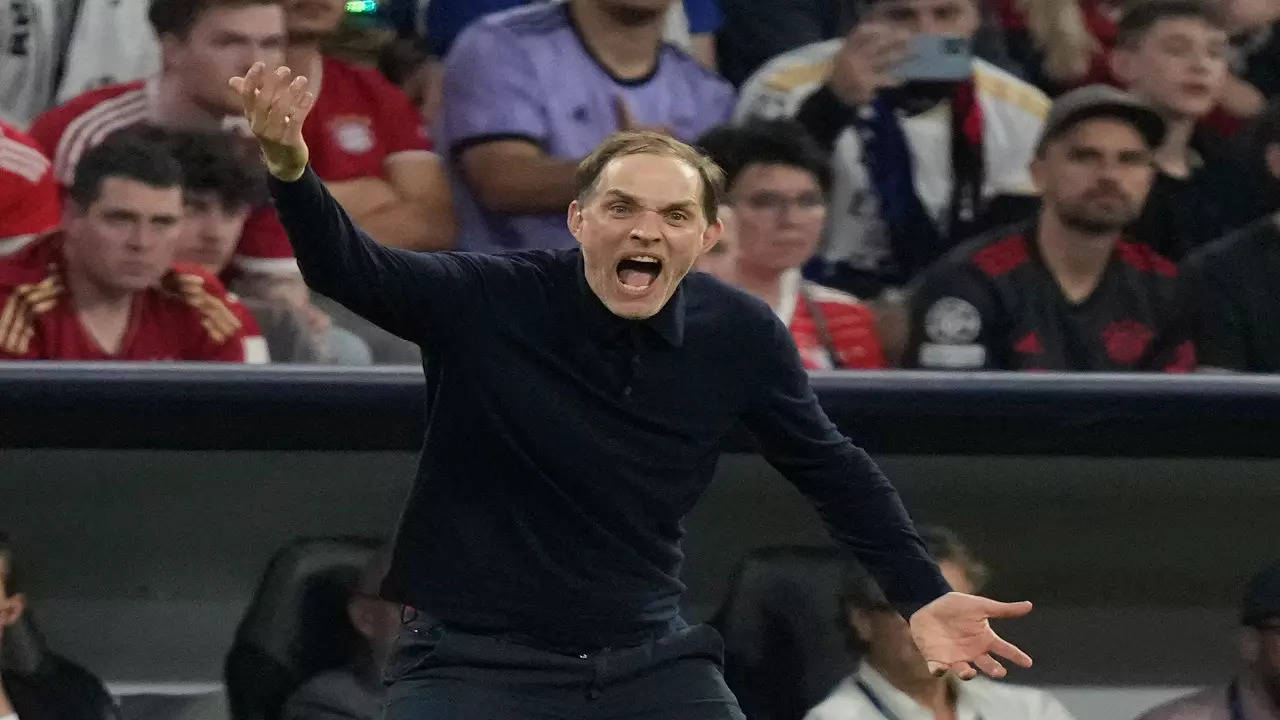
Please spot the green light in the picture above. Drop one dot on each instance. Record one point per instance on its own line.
(362, 7)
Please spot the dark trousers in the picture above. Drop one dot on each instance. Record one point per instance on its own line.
(441, 673)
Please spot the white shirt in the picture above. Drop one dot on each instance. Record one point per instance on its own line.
(112, 43)
(1013, 113)
(33, 34)
(977, 699)
(10, 716)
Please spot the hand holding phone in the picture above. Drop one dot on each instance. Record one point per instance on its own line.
(936, 58)
(865, 62)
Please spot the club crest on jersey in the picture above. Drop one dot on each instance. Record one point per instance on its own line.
(352, 134)
(953, 321)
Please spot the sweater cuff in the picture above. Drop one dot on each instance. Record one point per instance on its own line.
(307, 183)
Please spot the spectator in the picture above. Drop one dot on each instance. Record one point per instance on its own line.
(219, 191)
(104, 288)
(1173, 55)
(33, 38)
(1061, 44)
(56, 689)
(1067, 292)
(918, 167)
(531, 91)
(204, 42)
(892, 680)
(777, 180)
(367, 141)
(1254, 694)
(355, 691)
(1237, 276)
(1255, 48)
(29, 202)
(721, 260)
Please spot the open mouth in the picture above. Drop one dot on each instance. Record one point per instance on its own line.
(638, 273)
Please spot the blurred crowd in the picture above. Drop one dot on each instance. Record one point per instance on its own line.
(931, 184)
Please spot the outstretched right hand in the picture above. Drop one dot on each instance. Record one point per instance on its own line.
(276, 104)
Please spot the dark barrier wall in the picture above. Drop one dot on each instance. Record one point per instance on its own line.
(146, 500)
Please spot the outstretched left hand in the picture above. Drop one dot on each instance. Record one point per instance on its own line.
(954, 633)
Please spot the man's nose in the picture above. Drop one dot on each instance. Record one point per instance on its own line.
(648, 227)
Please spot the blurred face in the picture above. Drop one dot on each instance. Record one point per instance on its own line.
(312, 19)
(225, 42)
(956, 18)
(780, 210)
(125, 241)
(210, 231)
(1179, 66)
(891, 649)
(1245, 15)
(1096, 176)
(721, 260)
(641, 229)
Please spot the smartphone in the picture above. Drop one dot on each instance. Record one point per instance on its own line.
(936, 58)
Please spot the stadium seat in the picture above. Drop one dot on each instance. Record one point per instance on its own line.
(296, 625)
(784, 650)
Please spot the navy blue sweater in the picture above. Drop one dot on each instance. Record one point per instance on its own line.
(565, 445)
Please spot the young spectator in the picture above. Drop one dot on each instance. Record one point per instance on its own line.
(219, 190)
(1173, 55)
(29, 202)
(56, 689)
(1237, 276)
(531, 91)
(1254, 694)
(1067, 292)
(33, 38)
(918, 167)
(366, 141)
(777, 180)
(105, 288)
(355, 691)
(892, 680)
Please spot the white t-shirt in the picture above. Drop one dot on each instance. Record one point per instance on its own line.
(33, 34)
(1013, 113)
(10, 716)
(976, 699)
(112, 43)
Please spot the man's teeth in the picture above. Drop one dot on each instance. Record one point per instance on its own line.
(644, 258)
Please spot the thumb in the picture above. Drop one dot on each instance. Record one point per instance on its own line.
(996, 609)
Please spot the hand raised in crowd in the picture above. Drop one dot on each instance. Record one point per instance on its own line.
(864, 64)
(954, 633)
(276, 104)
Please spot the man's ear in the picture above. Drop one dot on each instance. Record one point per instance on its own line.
(358, 612)
(171, 49)
(1036, 171)
(860, 622)
(11, 609)
(711, 235)
(1250, 645)
(575, 220)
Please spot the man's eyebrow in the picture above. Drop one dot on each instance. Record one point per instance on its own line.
(626, 197)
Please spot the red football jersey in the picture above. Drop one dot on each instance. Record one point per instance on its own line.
(188, 316)
(849, 326)
(29, 201)
(359, 121)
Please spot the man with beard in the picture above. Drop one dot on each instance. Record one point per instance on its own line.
(531, 91)
(917, 166)
(1066, 292)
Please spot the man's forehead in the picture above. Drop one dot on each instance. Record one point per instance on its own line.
(652, 179)
(1186, 25)
(256, 20)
